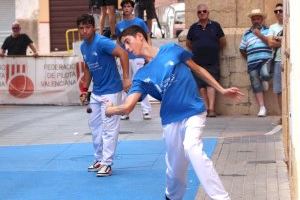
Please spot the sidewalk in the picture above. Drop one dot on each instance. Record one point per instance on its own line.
(248, 157)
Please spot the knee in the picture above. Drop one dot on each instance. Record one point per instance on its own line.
(255, 83)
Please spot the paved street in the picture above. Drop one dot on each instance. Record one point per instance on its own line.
(249, 155)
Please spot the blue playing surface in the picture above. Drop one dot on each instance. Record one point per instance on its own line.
(53, 172)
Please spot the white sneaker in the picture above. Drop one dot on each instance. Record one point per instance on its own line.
(265, 85)
(147, 116)
(124, 117)
(105, 170)
(262, 112)
(95, 167)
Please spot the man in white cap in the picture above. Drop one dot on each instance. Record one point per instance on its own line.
(254, 47)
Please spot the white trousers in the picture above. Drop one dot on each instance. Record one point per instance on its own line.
(184, 145)
(104, 129)
(135, 65)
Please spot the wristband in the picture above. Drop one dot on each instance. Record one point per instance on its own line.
(84, 89)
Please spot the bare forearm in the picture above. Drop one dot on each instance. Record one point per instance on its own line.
(87, 77)
(2, 52)
(32, 47)
(118, 110)
(204, 75)
(125, 108)
(125, 65)
(209, 79)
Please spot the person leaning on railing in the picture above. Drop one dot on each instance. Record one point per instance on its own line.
(17, 42)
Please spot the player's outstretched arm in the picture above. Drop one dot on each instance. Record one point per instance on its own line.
(125, 108)
(232, 92)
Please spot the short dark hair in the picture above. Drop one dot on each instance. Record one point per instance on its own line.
(132, 31)
(127, 2)
(85, 19)
(279, 4)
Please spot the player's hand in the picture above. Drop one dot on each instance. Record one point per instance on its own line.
(126, 84)
(83, 98)
(109, 109)
(233, 93)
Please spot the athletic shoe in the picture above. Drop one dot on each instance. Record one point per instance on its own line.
(262, 112)
(95, 167)
(105, 170)
(265, 85)
(124, 117)
(147, 116)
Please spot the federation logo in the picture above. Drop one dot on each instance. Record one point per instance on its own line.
(19, 85)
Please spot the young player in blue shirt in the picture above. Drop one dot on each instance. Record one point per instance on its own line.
(135, 62)
(99, 55)
(167, 77)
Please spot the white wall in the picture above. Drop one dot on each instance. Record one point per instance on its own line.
(27, 9)
(295, 81)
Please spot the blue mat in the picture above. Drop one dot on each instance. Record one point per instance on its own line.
(52, 172)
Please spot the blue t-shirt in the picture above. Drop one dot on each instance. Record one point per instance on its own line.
(257, 51)
(102, 65)
(168, 79)
(122, 25)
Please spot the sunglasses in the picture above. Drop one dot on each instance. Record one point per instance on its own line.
(202, 11)
(15, 28)
(278, 11)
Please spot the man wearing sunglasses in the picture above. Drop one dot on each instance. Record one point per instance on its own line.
(17, 42)
(205, 39)
(274, 41)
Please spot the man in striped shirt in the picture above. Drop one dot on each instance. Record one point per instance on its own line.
(255, 49)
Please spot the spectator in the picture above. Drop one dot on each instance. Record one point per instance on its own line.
(107, 7)
(149, 7)
(274, 41)
(135, 62)
(167, 77)
(99, 55)
(254, 47)
(205, 39)
(17, 42)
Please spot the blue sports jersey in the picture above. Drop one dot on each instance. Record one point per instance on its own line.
(122, 25)
(102, 65)
(168, 79)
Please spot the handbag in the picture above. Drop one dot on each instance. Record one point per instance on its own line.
(269, 64)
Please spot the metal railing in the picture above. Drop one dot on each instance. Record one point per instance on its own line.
(75, 36)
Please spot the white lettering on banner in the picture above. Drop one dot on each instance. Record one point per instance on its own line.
(59, 75)
(59, 66)
(46, 80)
(61, 83)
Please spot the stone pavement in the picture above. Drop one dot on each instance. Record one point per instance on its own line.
(249, 156)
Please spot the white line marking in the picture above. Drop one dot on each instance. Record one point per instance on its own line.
(274, 130)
